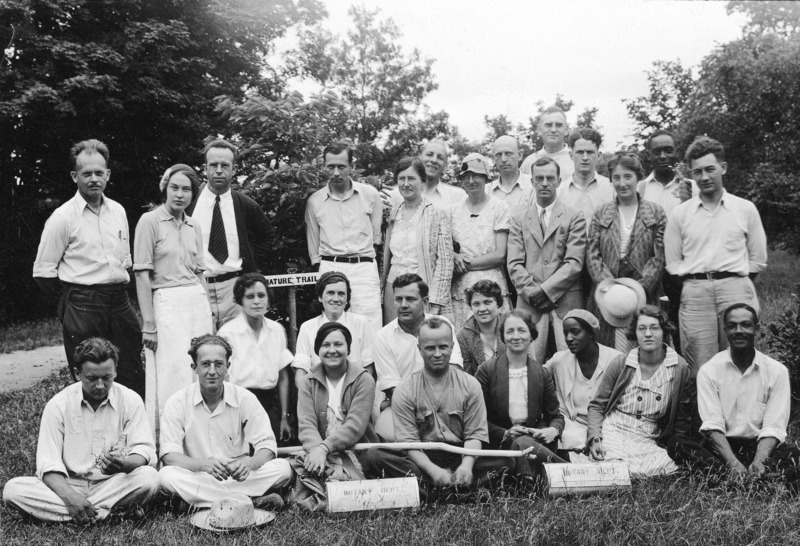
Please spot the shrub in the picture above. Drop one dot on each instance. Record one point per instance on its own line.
(782, 341)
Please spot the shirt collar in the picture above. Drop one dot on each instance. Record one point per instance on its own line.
(592, 181)
(670, 358)
(82, 204)
(165, 216)
(497, 183)
(652, 178)
(111, 399)
(228, 396)
(753, 368)
(548, 209)
(211, 196)
(353, 189)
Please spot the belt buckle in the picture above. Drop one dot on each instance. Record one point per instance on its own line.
(709, 275)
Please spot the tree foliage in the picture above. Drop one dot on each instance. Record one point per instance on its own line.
(781, 18)
(670, 85)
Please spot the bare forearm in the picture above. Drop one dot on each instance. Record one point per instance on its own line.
(420, 459)
(57, 483)
(722, 447)
(283, 391)
(765, 448)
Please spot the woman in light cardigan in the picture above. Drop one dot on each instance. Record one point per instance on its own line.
(418, 240)
(334, 411)
(577, 373)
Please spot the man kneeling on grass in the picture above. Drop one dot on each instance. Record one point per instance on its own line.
(95, 451)
(439, 403)
(207, 430)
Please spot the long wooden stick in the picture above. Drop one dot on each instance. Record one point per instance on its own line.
(425, 446)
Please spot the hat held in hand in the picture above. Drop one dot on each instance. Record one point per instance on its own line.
(619, 300)
(231, 514)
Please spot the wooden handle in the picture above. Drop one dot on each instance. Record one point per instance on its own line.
(426, 446)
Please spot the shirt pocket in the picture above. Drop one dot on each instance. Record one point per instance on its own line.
(231, 444)
(757, 414)
(456, 423)
(425, 423)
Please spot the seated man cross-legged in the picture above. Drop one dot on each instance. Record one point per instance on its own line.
(95, 450)
(439, 403)
(207, 429)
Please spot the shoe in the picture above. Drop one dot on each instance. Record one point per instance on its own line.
(272, 501)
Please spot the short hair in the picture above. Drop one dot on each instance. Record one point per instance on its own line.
(187, 171)
(440, 142)
(545, 161)
(95, 350)
(91, 146)
(552, 110)
(222, 143)
(658, 133)
(657, 313)
(338, 147)
(209, 339)
(626, 160)
(487, 288)
(407, 279)
(524, 316)
(326, 329)
(410, 163)
(585, 133)
(436, 322)
(740, 305)
(703, 146)
(332, 277)
(246, 281)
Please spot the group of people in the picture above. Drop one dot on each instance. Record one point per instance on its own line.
(535, 312)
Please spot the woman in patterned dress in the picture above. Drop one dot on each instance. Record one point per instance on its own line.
(480, 229)
(644, 399)
(418, 240)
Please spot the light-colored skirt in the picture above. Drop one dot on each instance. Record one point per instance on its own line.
(181, 313)
(634, 441)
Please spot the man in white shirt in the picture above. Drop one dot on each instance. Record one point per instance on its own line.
(585, 190)
(553, 129)
(716, 242)
(333, 292)
(208, 430)
(95, 449)
(744, 401)
(237, 235)
(512, 185)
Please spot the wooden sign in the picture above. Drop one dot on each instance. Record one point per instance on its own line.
(295, 279)
(582, 478)
(368, 495)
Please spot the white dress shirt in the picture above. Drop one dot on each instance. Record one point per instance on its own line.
(753, 404)
(203, 213)
(667, 195)
(514, 197)
(256, 361)
(360, 350)
(563, 157)
(596, 193)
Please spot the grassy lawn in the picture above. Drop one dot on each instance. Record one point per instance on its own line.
(675, 510)
(30, 335)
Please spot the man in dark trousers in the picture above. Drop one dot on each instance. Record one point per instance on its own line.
(237, 235)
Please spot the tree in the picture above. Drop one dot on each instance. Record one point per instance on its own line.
(782, 18)
(381, 86)
(670, 86)
(141, 75)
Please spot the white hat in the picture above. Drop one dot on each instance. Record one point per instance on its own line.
(619, 300)
(231, 514)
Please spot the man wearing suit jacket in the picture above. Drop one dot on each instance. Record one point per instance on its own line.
(237, 236)
(546, 249)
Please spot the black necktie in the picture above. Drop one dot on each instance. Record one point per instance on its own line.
(218, 243)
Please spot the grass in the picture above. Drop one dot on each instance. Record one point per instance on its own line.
(682, 510)
(26, 336)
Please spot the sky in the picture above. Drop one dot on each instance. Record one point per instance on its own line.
(502, 56)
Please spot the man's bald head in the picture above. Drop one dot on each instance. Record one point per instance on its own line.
(506, 155)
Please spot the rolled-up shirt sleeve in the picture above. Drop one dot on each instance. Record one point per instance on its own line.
(776, 414)
(709, 403)
(49, 450)
(385, 365)
(144, 244)
(137, 429)
(52, 246)
(173, 422)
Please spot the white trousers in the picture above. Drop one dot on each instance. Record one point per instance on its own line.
(201, 489)
(365, 289)
(546, 321)
(32, 496)
(181, 313)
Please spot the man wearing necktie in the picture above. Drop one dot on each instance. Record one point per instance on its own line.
(237, 235)
(546, 249)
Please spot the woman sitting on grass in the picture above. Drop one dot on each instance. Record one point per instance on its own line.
(334, 408)
(644, 399)
(521, 402)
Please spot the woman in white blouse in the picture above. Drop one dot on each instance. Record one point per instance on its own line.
(260, 356)
(577, 373)
(418, 240)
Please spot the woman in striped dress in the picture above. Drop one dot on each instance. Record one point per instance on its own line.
(644, 399)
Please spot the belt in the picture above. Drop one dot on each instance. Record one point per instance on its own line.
(224, 277)
(711, 276)
(347, 259)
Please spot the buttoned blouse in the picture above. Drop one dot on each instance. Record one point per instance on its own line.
(257, 360)
(81, 246)
(518, 395)
(172, 249)
(403, 243)
(648, 399)
(189, 427)
(72, 435)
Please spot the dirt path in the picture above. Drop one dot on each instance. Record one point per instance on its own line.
(22, 369)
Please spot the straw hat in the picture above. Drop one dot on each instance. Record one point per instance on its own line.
(232, 513)
(619, 300)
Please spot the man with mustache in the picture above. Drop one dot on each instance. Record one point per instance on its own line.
(343, 229)
(237, 235)
(95, 448)
(84, 255)
(744, 401)
(716, 243)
